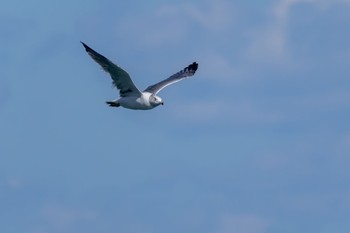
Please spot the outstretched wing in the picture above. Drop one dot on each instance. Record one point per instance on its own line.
(121, 79)
(185, 73)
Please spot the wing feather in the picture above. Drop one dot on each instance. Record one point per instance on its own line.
(121, 79)
(182, 74)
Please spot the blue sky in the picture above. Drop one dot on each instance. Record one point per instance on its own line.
(257, 142)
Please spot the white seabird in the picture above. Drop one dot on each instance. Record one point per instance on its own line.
(130, 96)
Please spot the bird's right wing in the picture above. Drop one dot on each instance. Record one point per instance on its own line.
(182, 74)
(121, 79)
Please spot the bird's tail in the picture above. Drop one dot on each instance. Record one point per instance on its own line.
(112, 104)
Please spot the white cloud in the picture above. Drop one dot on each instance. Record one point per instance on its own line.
(246, 223)
(329, 3)
(153, 30)
(282, 9)
(269, 42)
(173, 23)
(214, 15)
(269, 45)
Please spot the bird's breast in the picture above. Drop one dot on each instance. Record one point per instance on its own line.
(134, 102)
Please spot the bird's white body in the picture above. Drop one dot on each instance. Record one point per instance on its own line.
(130, 96)
(136, 102)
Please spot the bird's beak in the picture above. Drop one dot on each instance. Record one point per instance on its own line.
(162, 103)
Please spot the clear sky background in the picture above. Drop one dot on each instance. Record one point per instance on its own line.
(258, 141)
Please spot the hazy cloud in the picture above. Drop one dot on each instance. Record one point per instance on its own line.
(246, 223)
(218, 69)
(269, 42)
(60, 216)
(237, 112)
(174, 23)
(213, 16)
(154, 30)
(14, 183)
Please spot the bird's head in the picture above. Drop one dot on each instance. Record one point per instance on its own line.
(155, 100)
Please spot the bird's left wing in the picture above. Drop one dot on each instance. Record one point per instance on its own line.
(121, 79)
(185, 73)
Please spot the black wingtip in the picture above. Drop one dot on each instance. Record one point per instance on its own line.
(87, 48)
(193, 66)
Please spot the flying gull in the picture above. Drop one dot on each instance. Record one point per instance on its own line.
(130, 96)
